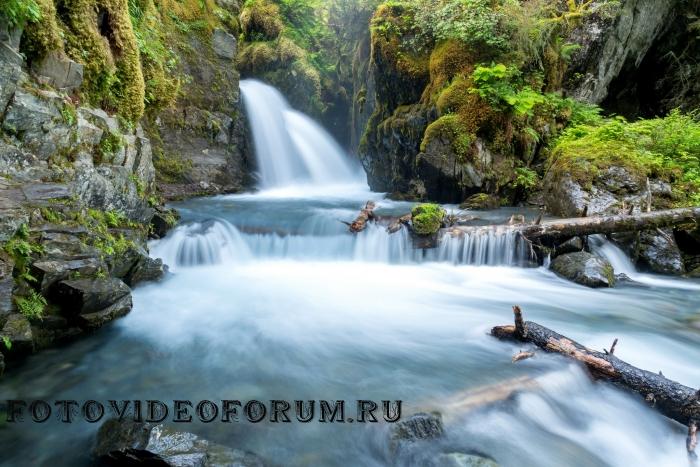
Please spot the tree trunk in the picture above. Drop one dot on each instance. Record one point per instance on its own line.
(562, 229)
(672, 399)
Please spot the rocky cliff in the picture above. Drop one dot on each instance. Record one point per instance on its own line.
(106, 108)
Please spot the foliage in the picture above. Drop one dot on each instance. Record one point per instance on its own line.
(525, 178)
(501, 86)
(32, 305)
(69, 114)
(19, 12)
(476, 23)
(21, 249)
(668, 148)
(7, 342)
(427, 218)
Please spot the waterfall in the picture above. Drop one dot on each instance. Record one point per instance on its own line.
(290, 148)
(218, 241)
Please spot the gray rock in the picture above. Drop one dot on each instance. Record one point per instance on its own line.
(59, 71)
(101, 317)
(460, 459)
(146, 270)
(163, 220)
(7, 285)
(659, 252)
(572, 245)
(19, 332)
(585, 269)
(49, 272)
(225, 44)
(83, 296)
(10, 72)
(420, 426)
(37, 192)
(481, 201)
(129, 443)
(39, 122)
(10, 36)
(87, 132)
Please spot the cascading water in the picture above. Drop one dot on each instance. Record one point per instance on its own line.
(290, 148)
(272, 298)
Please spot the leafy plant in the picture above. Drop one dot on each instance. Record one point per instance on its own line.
(32, 305)
(7, 342)
(19, 12)
(500, 86)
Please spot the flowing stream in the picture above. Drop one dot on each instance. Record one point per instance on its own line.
(271, 298)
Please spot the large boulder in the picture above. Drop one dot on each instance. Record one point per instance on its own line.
(93, 302)
(655, 251)
(10, 72)
(585, 269)
(128, 443)
(50, 272)
(146, 270)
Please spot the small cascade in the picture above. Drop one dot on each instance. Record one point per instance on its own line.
(201, 243)
(218, 241)
(291, 149)
(488, 247)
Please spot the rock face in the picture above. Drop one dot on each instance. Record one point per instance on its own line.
(585, 269)
(125, 443)
(59, 71)
(608, 49)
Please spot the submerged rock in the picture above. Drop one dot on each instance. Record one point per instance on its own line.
(129, 443)
(585, 269)
(460, 459)
(420, 426)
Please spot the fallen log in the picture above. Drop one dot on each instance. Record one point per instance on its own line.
(397, 223)
(562, 229)
(366, 214)
(672, 399)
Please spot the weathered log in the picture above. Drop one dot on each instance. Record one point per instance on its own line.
(398, 222)
(672, 399)
(561, 229)
(366, 214)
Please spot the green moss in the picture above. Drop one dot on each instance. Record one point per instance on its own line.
(171, 168)
(449, 128)
(109, 145)
(261, 21)
(69, 114)
(42, 36)
(427, 218)
(667, 148)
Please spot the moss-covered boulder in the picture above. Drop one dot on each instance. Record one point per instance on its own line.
(481, 201)
(584, 268)
(261, 21)
(426, 219)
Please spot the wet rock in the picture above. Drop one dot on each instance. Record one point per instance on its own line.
(101, 317)
(585, 269)
(49, 272)
(481, 201)
(2, 364)
(224, 44)
(659, 252)
(59, 71)
(128, 443)
(7, 285)
(84, 296)
(420, 426)
(19, 333)
(162, 221)
(572, 245)
(459, 459)
(146, 270)
(617, 180)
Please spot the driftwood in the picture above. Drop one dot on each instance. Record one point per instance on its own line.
(672, 399)
(397, 223)
(366, 214)
(562, 229)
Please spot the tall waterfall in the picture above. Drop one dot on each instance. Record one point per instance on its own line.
(290, 148)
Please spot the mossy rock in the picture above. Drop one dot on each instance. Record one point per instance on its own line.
(426, 219)
(261, 21)
(481, 201)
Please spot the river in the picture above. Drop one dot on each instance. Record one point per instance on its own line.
(271, 298)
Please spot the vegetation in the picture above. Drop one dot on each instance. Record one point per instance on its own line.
(427, 218)
(667, 148)
(19, 12)
(32, 305)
